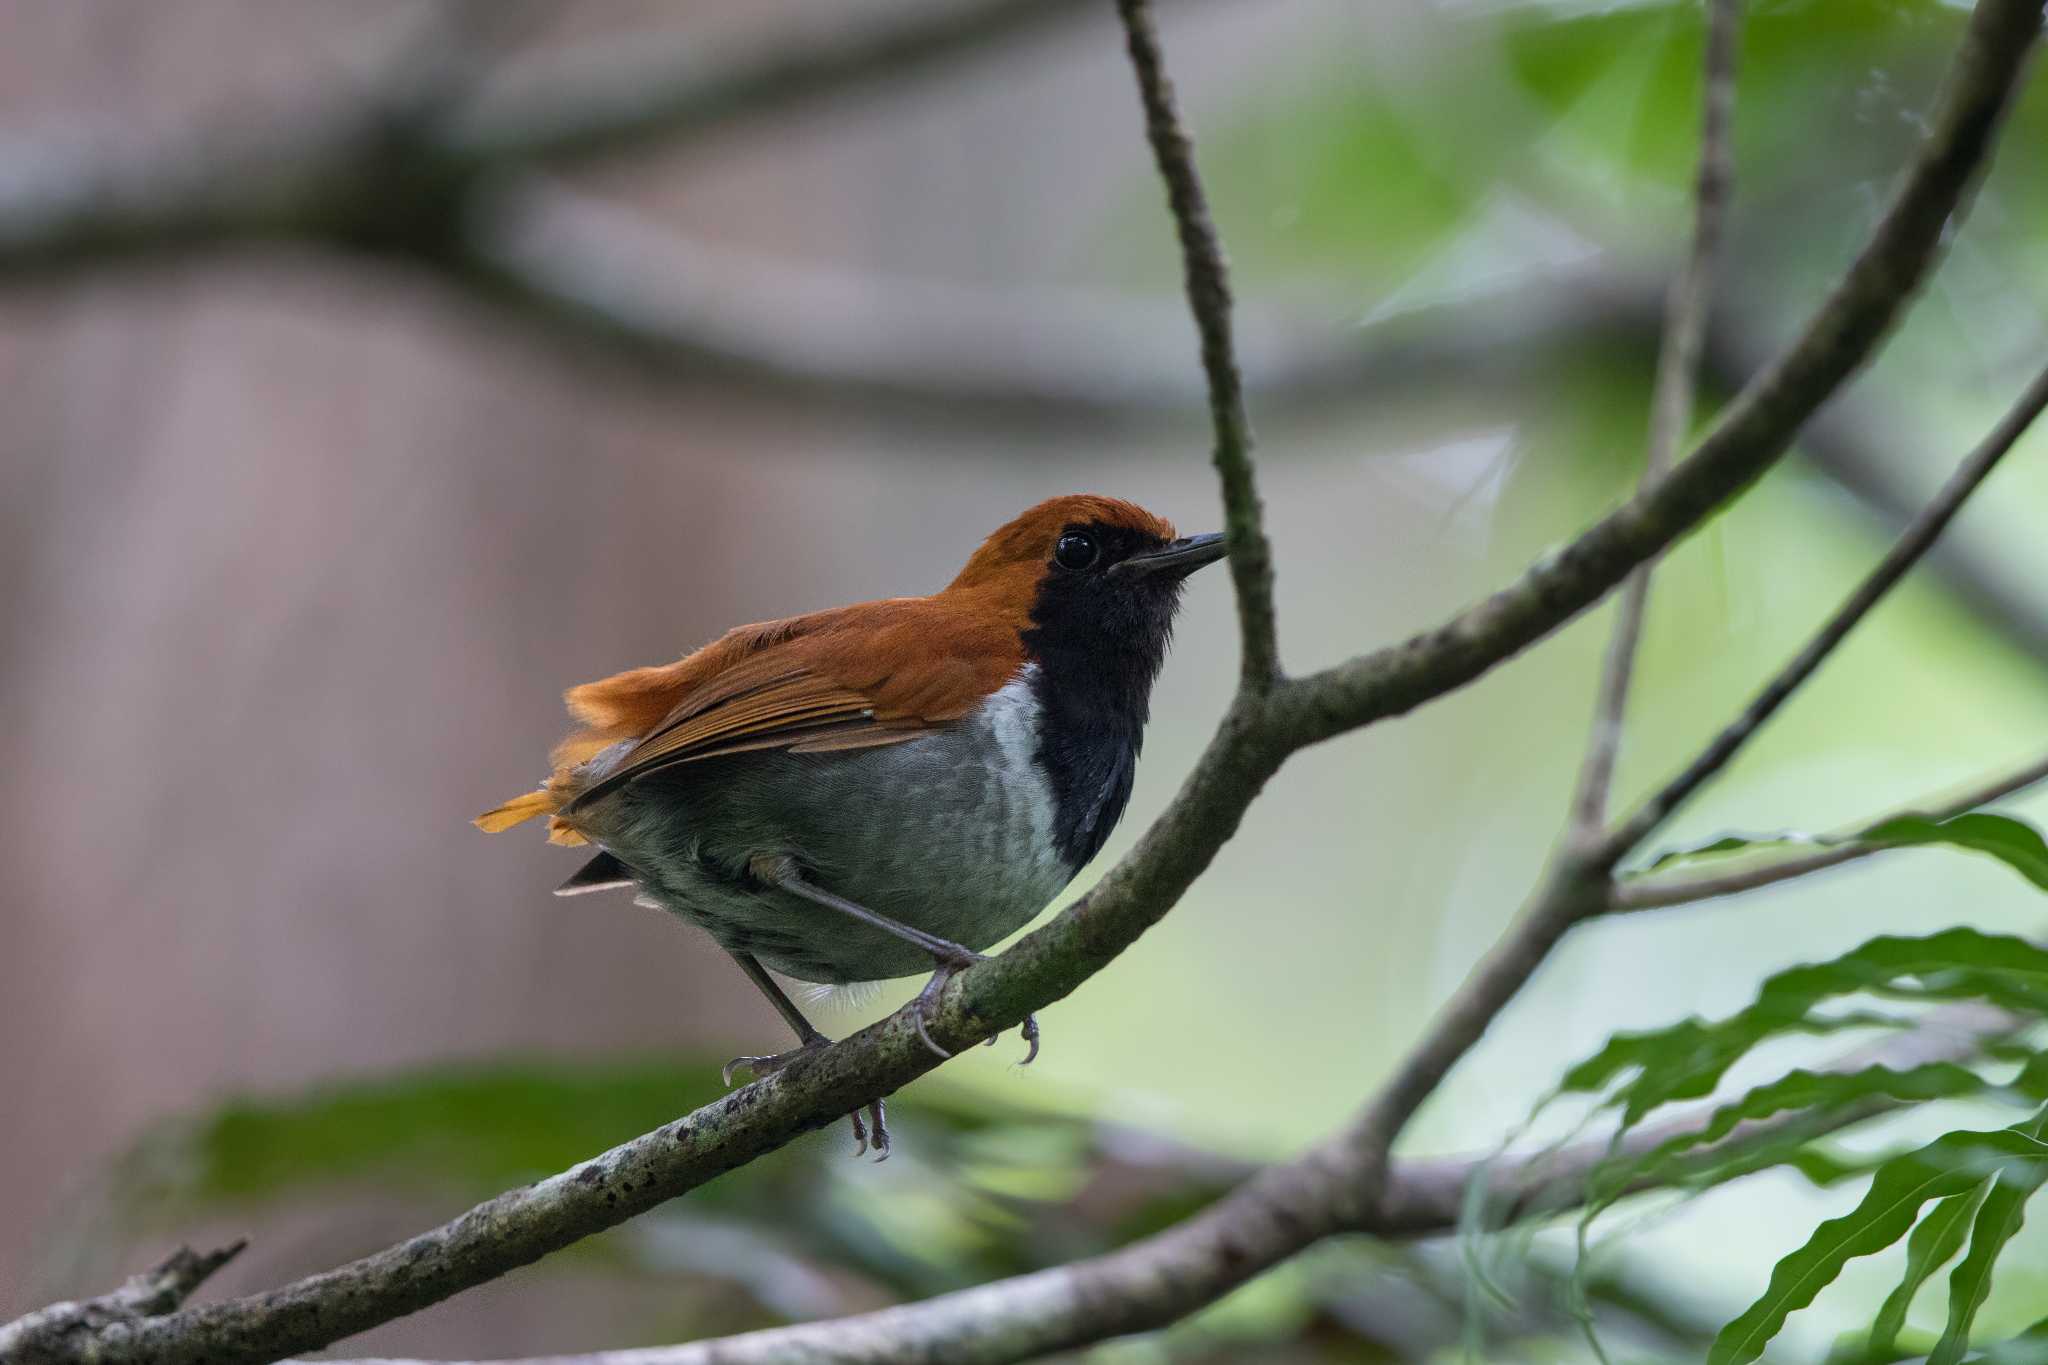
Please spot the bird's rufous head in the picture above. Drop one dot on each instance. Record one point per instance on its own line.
(1097, 578)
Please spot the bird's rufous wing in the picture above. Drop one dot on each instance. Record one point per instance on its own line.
(857, 677)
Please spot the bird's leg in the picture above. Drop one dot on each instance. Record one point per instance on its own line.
(782, 873)
(809, 1040)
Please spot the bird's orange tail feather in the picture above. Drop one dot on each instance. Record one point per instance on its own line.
(517, 811)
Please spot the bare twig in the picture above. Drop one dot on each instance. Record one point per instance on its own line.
(1905, 552)
(1661, 892)
(1283, 1208)
(53, 1333)
(1208, 286)
(1678, 362)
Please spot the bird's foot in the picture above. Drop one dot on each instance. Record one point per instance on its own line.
(869, 1135)
(768, 1066)
(880, 1141)
(927, 999)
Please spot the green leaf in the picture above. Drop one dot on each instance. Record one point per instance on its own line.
(1948, 1166)
(2015, 843)
(1816, 1091)
(2012, 841)
(1933, 1245)
(1820, 1169)
(2028, 1348)
(1723, 845)
(1687, 1060)
(2004, 1209)
(1638, 1072)
(1801, 1090)
(1808, 1091)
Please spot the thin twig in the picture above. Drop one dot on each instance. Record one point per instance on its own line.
(1662, 892)
(53, 1333)
(1905, 552)
(1686, 317)
(1208, 287)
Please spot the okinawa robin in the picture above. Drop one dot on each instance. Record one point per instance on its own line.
(872, 790)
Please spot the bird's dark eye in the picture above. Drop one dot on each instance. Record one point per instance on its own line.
(1076, 550)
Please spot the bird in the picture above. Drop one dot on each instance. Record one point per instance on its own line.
(875, 790)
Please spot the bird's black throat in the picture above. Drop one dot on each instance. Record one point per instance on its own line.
(1098, 641)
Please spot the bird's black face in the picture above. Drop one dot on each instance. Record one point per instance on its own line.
(1106, 602)
(1099, 629)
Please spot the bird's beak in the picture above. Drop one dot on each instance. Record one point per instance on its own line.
(1178, 558)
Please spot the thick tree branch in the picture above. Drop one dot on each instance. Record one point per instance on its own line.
(1671, 402)
(1279, 1210)
(1662, 892)
(1208, 286)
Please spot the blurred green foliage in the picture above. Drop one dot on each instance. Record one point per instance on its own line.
(976, 1190)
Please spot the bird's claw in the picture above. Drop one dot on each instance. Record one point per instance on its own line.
(769, 1065)
(927, 999)
(869, 1136)
(880, 1143)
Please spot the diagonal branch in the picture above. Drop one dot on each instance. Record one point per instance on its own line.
(1284, 1208)
(1208, 287)
(1678, 364)
(1905, 552)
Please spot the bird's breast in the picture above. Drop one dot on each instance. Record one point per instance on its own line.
(954, 832)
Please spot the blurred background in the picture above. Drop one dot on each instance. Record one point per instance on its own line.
(374, 372)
